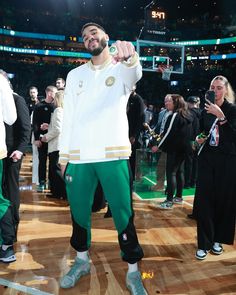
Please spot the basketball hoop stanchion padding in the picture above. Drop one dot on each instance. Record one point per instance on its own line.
(166, 72)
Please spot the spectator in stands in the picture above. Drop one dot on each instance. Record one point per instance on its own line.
(42, 114)
(215, 202)
(7, 115)
(57, 184)
(17, 140)
(60, 83)
(176, 143)
(95, 142)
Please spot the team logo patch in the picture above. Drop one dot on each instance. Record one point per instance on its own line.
(110, 81)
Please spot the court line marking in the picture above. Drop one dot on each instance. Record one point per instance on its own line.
(138, 197)
(150, 199)
(148, 179)
(27, 290)
(187, 203)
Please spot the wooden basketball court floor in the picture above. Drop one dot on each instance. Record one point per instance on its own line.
(168, 239)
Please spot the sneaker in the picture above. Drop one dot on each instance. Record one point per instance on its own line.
(201, 254)
(134, 283)
(8, 255)
(177, 200)
(217, 249)
(79, 269)
(166, 205)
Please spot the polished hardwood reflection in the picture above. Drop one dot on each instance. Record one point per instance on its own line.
(168, 238)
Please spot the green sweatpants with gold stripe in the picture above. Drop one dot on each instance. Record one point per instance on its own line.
(114, 176)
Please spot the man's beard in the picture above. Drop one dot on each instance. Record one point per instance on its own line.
(99, 49)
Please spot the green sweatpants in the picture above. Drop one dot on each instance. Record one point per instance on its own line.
(114, 176)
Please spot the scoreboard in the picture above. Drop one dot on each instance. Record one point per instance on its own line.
(155, 24)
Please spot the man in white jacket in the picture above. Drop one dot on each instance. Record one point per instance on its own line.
(95, 146)
(7, 115)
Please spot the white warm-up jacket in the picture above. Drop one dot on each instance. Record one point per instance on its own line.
(95, 125)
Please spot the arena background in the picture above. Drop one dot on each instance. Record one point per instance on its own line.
(26, 46)
(40, 41)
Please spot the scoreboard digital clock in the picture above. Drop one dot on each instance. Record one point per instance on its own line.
(155, 14)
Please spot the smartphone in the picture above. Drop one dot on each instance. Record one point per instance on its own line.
(210, 95)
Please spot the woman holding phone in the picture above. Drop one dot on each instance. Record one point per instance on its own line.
(215, 201)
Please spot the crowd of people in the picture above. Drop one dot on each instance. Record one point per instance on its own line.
(64, 127)
(210, 22)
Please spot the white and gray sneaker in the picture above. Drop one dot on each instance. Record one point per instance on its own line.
(201, 254)
(134, 283)
(217, 249)
(78, 269)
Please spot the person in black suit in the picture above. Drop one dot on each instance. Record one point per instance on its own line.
(42, 114)
(190, 172)
(7, 115)
(136, 118)
(33, 100)
(17, 139)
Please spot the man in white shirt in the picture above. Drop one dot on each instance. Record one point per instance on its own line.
(95, 146)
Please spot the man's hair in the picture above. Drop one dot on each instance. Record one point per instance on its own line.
(92, 24)
(51, 88)
(63, 81)
(33, 87)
